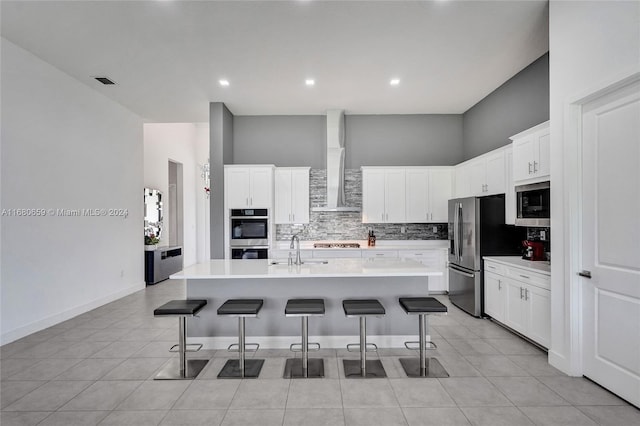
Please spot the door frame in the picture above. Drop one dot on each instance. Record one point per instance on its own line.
(572, 313)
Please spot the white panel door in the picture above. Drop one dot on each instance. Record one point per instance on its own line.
(373, 196)
(542, 163)
(611, 241)
(494, 171)
(515, 315)
(493, 296)
(261, 188)
(417, 195)
(283, 195)
(538, 306)
(439, 195)
(523, 155)
(477, 177)
(238, 186)
(509, 189)
(394, 193)
(300, 196)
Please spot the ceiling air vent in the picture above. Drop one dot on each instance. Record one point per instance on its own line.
(104, 80)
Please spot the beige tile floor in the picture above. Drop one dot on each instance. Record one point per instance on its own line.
(98, 368)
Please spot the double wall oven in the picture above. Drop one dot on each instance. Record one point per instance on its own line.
(249, 237)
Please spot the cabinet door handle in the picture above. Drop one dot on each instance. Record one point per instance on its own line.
(526, 294)
(251, 200)
(382, 217)
(521, 293)
(387, 216)
(293, 217)
(499, 285)
(534, 166)
(246, 201)
(524, 276)
(529, 163)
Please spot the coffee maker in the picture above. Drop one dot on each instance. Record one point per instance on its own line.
(534, 250)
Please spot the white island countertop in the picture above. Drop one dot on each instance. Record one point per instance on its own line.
(334, 268)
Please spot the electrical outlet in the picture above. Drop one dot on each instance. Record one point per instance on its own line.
(543, 235)
(403, 229)
(435, 229)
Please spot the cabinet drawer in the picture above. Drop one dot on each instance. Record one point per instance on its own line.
(370, 254)
(528, 277)
(284, 253)
(496, 268)
(434, 255)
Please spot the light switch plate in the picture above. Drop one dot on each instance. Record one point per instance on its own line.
(403, 229)
(435, 229)
(543, 235)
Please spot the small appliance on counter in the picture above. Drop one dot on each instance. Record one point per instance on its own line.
(534, 250)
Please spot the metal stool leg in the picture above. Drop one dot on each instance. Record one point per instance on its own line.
(241, 368)
(241, 340)
(363, 346)
(304, 367)
(305, 346)
(423, 366)
(186, 369)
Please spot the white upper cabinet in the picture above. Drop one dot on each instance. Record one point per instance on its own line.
(531, 154)
(428, 189)
(291, 195)
(249, 186)
(383, 195)
(482, 175)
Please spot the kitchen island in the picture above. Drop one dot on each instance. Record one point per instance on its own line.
(335, 280)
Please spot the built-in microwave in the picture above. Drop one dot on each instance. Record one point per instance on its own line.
(249, 227)
(533, 204)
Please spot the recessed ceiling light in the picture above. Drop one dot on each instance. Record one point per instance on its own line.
(394, 81)
(309, 82)
(224, 82)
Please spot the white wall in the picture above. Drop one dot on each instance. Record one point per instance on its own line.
(182, 143)
(590, 43)
(65, 146)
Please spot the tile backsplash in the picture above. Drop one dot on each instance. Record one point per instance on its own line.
(348, 225)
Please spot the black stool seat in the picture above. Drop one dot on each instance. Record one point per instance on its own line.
(298, 307)
(422, 305)
(188, 307)
(241, 307)
(358, 307)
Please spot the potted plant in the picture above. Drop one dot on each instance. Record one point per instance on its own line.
(151, 242)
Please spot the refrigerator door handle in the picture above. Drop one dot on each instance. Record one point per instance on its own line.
(461, 272)
(459, 231)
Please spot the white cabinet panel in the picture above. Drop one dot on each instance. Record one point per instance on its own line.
(249, 187)
(538, 315)
(336, 253)
(428, 190)
(495, 173)
(494, 296)
(515, 315)
(482, 175)
(435, 259)
(374, 254)
(383, 195)
(292, 195)
(531, 154)
(510, 192)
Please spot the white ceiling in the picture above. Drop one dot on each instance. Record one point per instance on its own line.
(167, 56)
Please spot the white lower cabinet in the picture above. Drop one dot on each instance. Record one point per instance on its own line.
(520, 299)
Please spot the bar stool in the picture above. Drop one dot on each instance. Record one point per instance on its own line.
(305, 367)
(187, 369)
(241, 367)
(363, 308)
(423, 366)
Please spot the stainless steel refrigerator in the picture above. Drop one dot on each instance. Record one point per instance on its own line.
(477, 229)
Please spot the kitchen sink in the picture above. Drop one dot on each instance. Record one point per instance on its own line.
(304, 262)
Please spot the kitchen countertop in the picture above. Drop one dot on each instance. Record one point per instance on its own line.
(542, 267)
(380, 245)
(262, 268)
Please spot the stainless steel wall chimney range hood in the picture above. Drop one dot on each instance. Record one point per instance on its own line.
(335, 164)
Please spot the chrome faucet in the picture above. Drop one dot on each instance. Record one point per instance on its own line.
(292, 246)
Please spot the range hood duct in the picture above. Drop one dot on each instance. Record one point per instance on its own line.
(335, 164)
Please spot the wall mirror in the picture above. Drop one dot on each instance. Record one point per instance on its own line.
(152, 212)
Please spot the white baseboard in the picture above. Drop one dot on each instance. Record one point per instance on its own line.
(559, 361)
(10, 336)
(283, 342)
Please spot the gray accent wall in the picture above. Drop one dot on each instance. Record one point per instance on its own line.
(403, 140)
(220, 153)
(520, 103)
(371, 140)
(283, 140)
